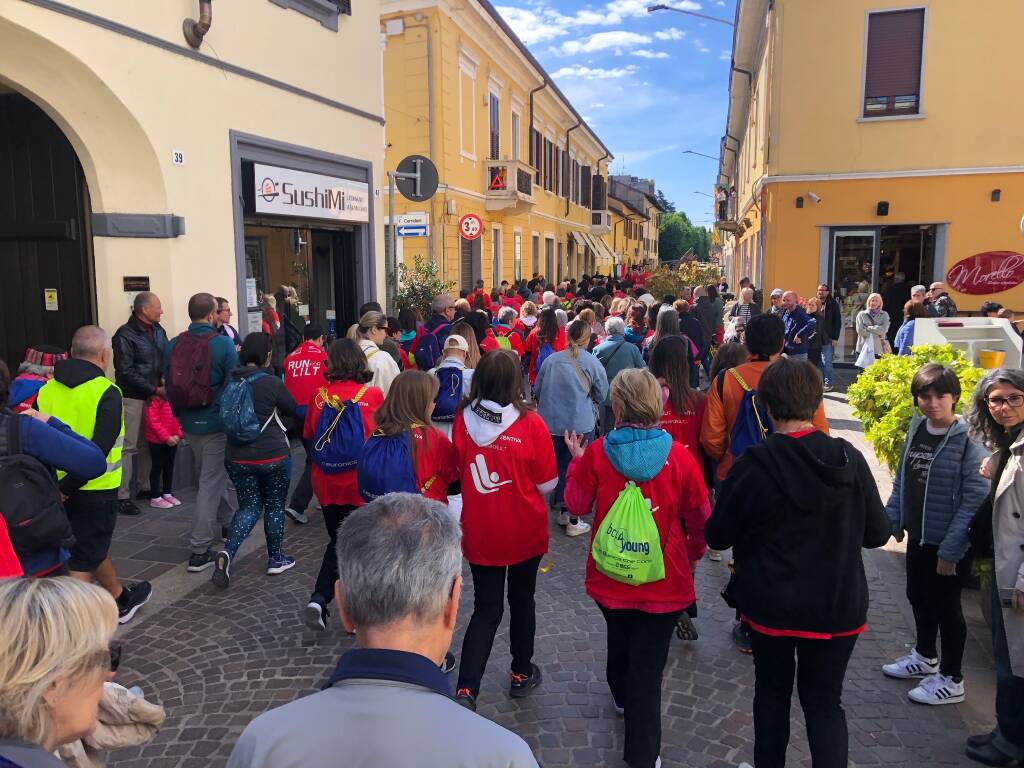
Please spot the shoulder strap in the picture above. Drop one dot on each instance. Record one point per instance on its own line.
(13, 432)
(720, 385)
(736, 375)
(588, 385)
(360, 393)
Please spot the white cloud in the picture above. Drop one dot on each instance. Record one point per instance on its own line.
(725, 55)
(684, 5)
(699, 45)
(539, 22)
(534, 27)
(645, 54)
(672, 33)
(598, 105)
(720, 3)
(602, 41)
(594, 73)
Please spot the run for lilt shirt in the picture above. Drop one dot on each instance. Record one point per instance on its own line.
(918, 462)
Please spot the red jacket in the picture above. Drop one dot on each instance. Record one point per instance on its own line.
(489, 343)
(304, 371)
(532, 347)
(480, 292)
(435, 458)
(342, 488)
(679, 502)
(10, 566)
(160, 424)
(514, 339)
(685, 427)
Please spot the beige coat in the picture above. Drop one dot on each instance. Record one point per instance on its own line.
(1008, 532)
(125, 720)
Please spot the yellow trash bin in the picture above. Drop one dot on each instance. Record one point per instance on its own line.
(991, 358)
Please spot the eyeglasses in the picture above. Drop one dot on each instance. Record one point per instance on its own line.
(1014, 401)
(111, 657)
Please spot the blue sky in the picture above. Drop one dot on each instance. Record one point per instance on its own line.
(649, 84)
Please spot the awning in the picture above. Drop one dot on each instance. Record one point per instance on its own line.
(579, 238)
(600, 249)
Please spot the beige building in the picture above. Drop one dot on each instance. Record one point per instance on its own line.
(132, 157)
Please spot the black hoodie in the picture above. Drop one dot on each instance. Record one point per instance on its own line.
(73, 373)
(797, 512)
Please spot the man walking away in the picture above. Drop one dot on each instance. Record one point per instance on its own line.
(400, 579)
(139, 347)
(90, 404)
(799, 326)
(830, 332)
(615, 354)
(198, 363)
(303, 375)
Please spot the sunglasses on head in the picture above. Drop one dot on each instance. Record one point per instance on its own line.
(114, 650)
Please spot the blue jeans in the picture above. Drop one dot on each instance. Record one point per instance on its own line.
(262, 489)
(827, 355)
(562, 459)
(1009, 688)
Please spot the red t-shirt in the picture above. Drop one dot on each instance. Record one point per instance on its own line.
(472, 299)
(504, 516)
(685, 427)
(435, 457)
(676, 494)
(304, 371)
(532, 347)
(342, 488)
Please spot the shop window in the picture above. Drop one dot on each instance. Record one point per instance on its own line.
(892, 70)
(324, 11)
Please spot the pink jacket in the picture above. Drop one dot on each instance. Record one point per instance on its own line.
(160, 424)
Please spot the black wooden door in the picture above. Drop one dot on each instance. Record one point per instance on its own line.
(44, 236)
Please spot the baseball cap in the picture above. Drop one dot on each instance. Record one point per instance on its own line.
(777, 292)
(455, 341)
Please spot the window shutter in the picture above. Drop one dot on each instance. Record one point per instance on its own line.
(566, 176)
(893, 67)
(585, 192)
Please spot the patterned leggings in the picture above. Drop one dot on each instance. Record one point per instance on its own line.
(262, 488)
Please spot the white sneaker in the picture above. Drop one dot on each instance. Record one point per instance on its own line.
(908, 667)
(938, 689)
(563, 518)
(714, 556)
(576, 529)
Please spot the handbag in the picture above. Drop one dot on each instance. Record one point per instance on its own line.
(867, 355)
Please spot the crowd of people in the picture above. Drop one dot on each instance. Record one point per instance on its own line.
(664, 427)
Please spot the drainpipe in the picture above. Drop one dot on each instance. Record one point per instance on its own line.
(194, 30)
(748, 73)
(578, 124)
(539, 88)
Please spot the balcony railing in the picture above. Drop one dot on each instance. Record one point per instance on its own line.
(725, 211)
(600, 222)
(509, 184)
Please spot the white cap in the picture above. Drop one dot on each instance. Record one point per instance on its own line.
(455, 341)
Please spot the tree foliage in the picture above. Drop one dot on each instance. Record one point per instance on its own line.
(664, 202)
(678, 234)
(417, 286)
(881, 395)
(664, 281)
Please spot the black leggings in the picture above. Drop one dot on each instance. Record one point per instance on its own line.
(334, 515)
(488, 607)
(936, 603)
(819, 682)
(161, 471)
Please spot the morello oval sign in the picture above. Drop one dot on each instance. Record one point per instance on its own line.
(988, 272)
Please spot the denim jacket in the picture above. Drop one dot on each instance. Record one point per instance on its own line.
(562, 401)
(953, 492)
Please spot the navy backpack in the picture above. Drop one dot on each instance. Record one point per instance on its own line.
(545, 351)
(385, 466)
(338, 438)
(752, 424)
(449, 394)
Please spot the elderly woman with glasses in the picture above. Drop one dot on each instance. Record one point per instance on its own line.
(55, 657)
(997, 417)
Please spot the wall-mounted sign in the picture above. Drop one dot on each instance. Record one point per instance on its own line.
(471, 226)
(135, 284)
(270, 190)
(988, 272)
(50, 299)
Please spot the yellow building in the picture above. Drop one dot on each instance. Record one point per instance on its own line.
(636, 221)
(865, 140)
(461, 89)
(230, 163)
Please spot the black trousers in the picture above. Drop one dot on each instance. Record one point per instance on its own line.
(161, 471)
(936, 603)
(488, 607)
(323, 591)
(819, 682)
(637, 651)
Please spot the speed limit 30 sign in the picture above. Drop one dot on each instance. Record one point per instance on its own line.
(471, 226)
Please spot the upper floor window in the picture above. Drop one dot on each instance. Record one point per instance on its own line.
(495, 127)
(892, 69)
(514, 136)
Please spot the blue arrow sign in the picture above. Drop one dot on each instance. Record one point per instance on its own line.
(411, 230)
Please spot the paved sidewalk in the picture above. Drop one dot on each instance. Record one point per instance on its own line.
(216, 659)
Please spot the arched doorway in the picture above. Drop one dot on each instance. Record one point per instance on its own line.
(48, 285)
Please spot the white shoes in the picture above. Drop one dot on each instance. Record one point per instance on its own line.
(908, 667)
(576, 529)
(938, 689)
(563, 518)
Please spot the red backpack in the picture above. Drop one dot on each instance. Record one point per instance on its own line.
(188, 378)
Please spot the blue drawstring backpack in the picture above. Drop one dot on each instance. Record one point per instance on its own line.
(238, 413)
(545, 351)
(338, 438)
(385, 466)
(752, 424)
(449, 394)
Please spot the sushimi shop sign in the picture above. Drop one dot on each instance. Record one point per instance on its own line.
(298, 194)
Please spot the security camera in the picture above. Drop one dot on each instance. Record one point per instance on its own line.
(815, 198)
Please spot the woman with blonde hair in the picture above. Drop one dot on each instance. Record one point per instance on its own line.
(872, 326)
(465, 330)
(54, 659)
(570, 384)
(369, 333)
(640, 615)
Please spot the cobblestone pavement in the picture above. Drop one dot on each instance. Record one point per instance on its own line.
(215, 659)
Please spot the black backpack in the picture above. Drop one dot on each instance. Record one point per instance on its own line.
(29, 495)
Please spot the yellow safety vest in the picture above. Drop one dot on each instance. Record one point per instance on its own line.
(77, 408)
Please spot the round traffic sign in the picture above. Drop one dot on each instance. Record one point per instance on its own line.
(423, 188)
(471, 226)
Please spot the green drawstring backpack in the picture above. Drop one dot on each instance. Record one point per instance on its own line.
(627, 546)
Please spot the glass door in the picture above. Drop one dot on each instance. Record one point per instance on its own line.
(853, 275)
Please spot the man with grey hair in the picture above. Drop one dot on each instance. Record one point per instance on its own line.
(615, 354)
(81, 396)
(917, 294)
(435, 331)
(139, 347)
(387, 703)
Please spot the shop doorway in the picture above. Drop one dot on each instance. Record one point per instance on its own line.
(46, 257)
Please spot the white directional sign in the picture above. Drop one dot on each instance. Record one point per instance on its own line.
(413, 224)
(411, 230)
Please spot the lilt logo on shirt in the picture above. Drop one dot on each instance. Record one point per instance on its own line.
(484, 480)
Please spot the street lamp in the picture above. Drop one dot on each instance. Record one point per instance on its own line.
(703, 193)
(699, 154)
(662, 7)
